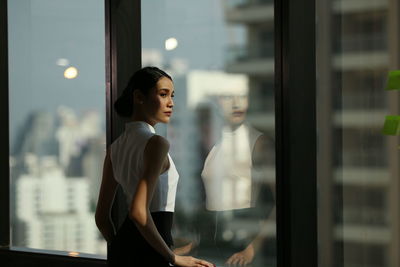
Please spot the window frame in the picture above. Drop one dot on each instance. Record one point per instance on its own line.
(295, 116)
(296, 140)
(116, 71)
(4, 134)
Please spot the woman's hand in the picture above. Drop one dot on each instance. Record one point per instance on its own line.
(241, 258)
(189, 261)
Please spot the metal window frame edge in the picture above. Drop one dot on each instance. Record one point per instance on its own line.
(4, 133)
(296, 141)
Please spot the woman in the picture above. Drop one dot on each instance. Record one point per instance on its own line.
(237, 188)
(139, 161)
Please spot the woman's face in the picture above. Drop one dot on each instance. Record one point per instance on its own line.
(159, 103)
(234, 107)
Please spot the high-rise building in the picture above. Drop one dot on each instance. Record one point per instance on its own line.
(358, 193)
(53, 210)
(55, 182)
(359, 217)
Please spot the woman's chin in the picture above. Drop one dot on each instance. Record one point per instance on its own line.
(237, 120)
(165, 120)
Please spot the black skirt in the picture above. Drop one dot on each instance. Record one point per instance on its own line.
(129, 248)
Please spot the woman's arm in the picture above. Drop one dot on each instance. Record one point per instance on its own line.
(262, 157)
(154, 157)
(106, 197)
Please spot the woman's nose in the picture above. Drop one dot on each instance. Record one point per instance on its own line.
(171, 103)
(235, 101)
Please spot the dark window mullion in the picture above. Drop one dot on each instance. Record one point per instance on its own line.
(125, 59)
(4, 132)
(295, 83)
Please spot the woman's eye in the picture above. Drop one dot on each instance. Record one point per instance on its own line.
(163, 94)
(173, 96)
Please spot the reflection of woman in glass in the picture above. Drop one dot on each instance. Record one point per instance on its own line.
(139, 161)
(236, 191)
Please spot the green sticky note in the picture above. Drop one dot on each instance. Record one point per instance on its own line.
(393, 80)
(392, 125)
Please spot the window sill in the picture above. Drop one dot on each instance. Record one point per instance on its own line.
(15, 256)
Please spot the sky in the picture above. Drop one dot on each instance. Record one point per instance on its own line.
(40, 33)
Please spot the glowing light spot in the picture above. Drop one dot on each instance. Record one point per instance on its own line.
(171, 44)
(73, 254)
(70, 73)
(62, 62)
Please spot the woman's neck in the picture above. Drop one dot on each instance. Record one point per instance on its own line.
(140, 117)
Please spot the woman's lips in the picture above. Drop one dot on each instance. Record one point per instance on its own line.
(237, 113)
(168, 113)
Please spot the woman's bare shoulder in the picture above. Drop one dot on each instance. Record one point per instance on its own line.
(157, 144)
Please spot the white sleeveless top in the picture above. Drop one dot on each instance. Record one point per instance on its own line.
(126, 154)
(227, 169)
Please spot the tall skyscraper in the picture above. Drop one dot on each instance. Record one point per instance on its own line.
(358, 166)
(358, 192)
(53, 211)
(56, 172)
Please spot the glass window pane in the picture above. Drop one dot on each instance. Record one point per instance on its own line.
(57, 123)
(358, 174)
(221, 57)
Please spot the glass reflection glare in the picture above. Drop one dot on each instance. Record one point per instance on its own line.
(73, 254)
(62, 62)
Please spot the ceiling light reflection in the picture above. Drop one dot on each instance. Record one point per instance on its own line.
(62, 62)
(171, 44)
(70, 73)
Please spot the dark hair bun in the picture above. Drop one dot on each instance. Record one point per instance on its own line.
(124, 105)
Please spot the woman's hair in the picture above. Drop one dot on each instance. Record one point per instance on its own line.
(144, 80)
